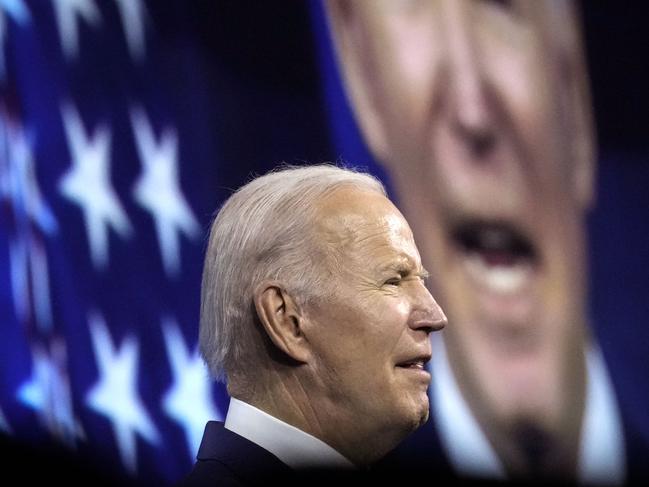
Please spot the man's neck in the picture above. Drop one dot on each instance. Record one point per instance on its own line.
(291, 445)
(293, 401)
(529, 452)
(530, 447)
(596, 454)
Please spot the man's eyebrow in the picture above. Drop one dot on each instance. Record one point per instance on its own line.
(405, 266)
(396, 266)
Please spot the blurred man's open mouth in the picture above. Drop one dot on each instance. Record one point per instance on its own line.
(497, 256)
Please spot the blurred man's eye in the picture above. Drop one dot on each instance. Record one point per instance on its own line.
(508, 7)
(504, 4)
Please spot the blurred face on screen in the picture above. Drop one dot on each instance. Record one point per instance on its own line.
(479, 110)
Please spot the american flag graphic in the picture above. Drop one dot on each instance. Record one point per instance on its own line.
(123, 125)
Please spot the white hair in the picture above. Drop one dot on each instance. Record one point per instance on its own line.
(264, 231)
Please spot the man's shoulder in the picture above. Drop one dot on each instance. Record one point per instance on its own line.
(232, 460)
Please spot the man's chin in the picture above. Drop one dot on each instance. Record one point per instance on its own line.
(424, 417)
(420, 415)
(522, 405)
(511, 382)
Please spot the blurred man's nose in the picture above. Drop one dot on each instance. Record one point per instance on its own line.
(468, 94)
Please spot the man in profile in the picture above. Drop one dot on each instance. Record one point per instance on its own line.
(315, 312)
(480, 112)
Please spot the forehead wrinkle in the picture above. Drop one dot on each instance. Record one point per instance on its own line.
(344, 236)
(406, 263)
(345, 229)
(372, 236)
(356, 227)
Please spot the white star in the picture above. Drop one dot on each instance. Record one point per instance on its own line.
(19, 185)
(18, 182)
(157, 190)
(19, 12)
(48, 392)
(115, 395)
(87, 184)
(34, 392)
(133, 16)
(66, 17)
(25, 255)
(189, 400)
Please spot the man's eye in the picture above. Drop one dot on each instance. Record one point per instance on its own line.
(394, 281)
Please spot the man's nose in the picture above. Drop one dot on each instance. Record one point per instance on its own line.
(427, 314)
(468, 94)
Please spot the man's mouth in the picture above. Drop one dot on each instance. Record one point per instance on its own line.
(415, 363)
(412, 365)
(498, 255)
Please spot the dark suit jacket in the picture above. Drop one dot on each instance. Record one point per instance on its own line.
(227, 459)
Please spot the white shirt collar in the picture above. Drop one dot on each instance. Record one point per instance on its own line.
(291, 445)
(602, 450)
(602, 455)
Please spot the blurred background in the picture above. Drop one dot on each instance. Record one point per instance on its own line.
(123, 126)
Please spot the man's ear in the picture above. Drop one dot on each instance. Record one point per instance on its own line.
(281, 319)
(577, 97)
(583, 140)
(352, 47)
